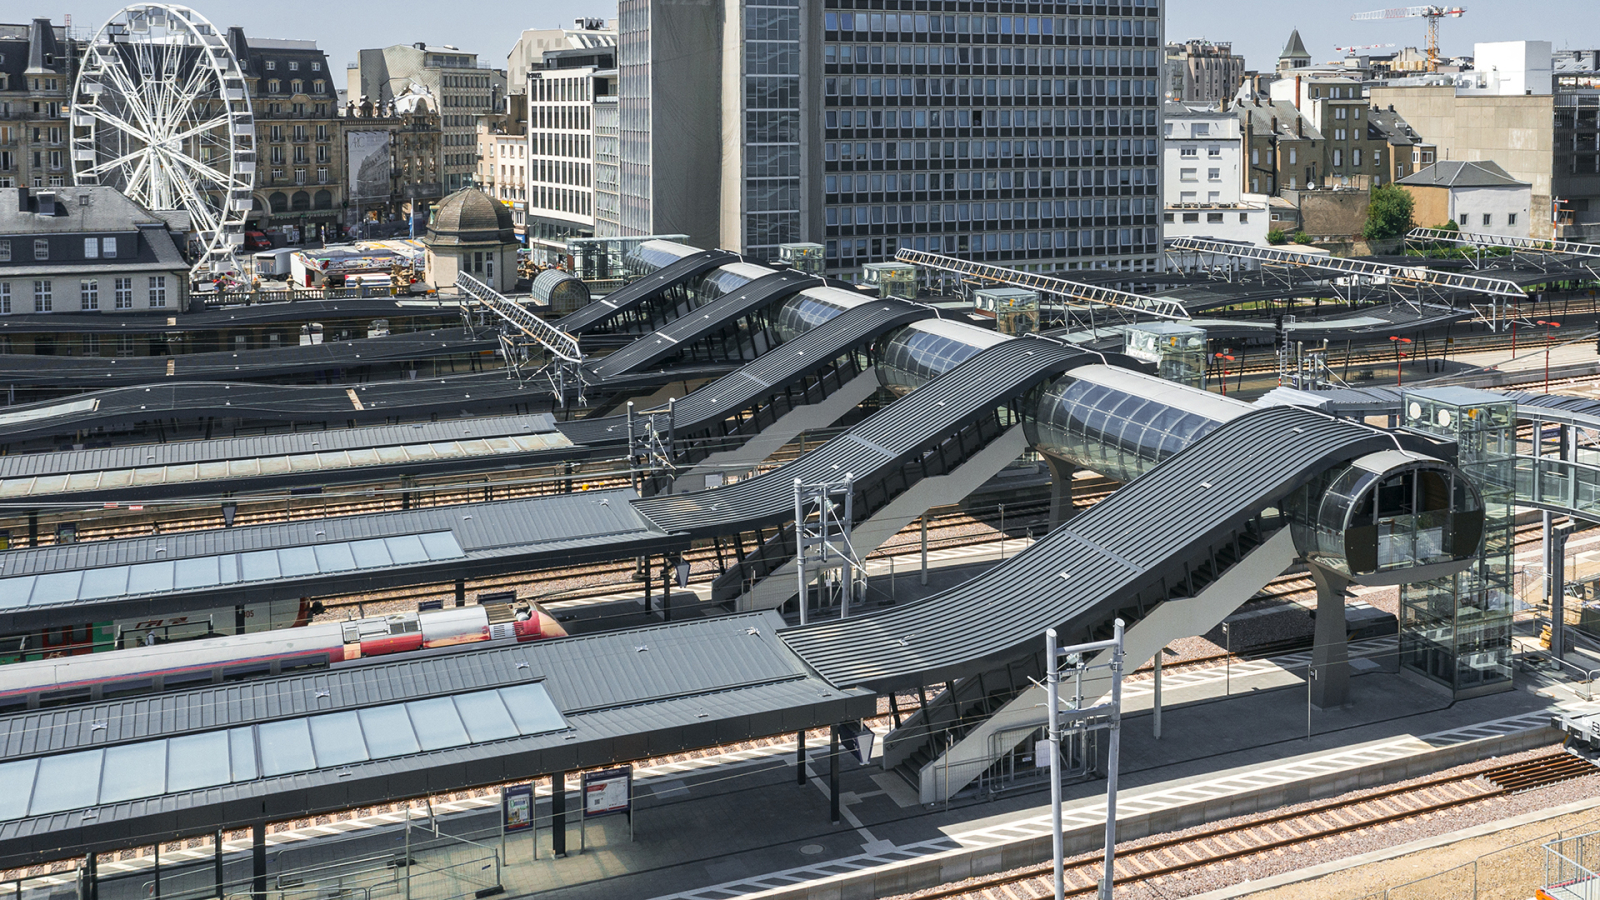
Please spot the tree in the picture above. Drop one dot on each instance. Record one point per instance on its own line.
(1389, 213)
(1300, 237)
(1276, 237)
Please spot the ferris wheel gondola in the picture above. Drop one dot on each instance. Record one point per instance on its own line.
(161, 112)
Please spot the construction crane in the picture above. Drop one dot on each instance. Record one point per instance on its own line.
(1362, 47)
(1432, 13)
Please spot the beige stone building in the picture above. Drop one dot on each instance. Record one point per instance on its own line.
(1547, 140)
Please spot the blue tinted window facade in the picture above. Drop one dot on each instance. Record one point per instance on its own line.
(1027, 137)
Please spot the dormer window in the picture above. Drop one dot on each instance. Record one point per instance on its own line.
(41, 249)
(294, 66)
(297, 86)
(316, 67)
(272, 65)
(273, 86)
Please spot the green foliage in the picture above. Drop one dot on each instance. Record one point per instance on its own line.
(1451, 226)
(1389, 214)
(1300, 237)
(1276, 236)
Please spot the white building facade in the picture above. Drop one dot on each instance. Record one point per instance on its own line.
(1202, 163)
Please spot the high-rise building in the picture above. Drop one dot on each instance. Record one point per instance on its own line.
(465, 91)
(564, 91)
(1024, 139)
(669, 118)
(38, 63)
(607, 196)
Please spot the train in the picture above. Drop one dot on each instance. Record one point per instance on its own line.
(216, 660)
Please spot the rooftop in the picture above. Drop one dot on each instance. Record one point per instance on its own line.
(1455, 173)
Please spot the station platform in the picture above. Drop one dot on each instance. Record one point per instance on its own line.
(738, 825)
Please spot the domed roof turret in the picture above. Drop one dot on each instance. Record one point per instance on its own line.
(469, 216)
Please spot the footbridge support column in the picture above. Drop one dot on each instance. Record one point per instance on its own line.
(1061, 508)
(1330, 653)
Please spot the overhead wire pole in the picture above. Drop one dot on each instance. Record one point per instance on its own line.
(1106, 716)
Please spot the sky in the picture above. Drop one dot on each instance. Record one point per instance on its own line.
(1257, 28)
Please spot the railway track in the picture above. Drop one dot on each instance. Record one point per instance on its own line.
(1278, 832)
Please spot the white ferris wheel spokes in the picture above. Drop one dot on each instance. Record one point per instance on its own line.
(161, 112)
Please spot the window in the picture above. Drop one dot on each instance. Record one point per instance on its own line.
(41, 296)
(91, 248)
(5, 298)
(1291, 159)
(1201, 129)
(124, 293)
(1187, 175)
(41, 249)
(1213, 174)
(1214, 218)
(89, 294)
(158, 291)
(1244, 218)
(1488, 220)
(1214, 152)
(1338, 157)
(1511, 218)
(108, 247)
(272, 65)
(294, 66)
(5, 251)
(1188, 152)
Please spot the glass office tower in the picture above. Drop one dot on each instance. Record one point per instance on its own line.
(1013, 133)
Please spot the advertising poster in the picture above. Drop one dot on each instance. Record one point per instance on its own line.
(367, 156)
(516, 803)
(607, 792)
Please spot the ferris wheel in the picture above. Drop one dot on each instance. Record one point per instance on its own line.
(161, 112)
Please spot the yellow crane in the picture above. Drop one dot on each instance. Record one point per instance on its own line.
(1432, 13)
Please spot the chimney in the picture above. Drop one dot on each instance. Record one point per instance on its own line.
(22, 198)
(1297, 92)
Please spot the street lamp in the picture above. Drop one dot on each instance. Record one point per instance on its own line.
(1223, 360)
(1548, 335)
(1399, 357)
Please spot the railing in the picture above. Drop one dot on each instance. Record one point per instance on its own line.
(1160, 307)
(556, 342)
(1558, 484)
(1569, 868)
(1471, 239)
(1417, 276)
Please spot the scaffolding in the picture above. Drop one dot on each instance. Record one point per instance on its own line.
(533, 348)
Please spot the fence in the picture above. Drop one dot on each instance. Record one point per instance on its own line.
(1569, 867)
(1509, 873)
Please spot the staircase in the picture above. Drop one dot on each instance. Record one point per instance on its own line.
(977, 728)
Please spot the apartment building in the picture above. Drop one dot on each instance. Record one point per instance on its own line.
(300, 168)
(503, 167)
(1202, 72)
(1203, 177)
(38, 63)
